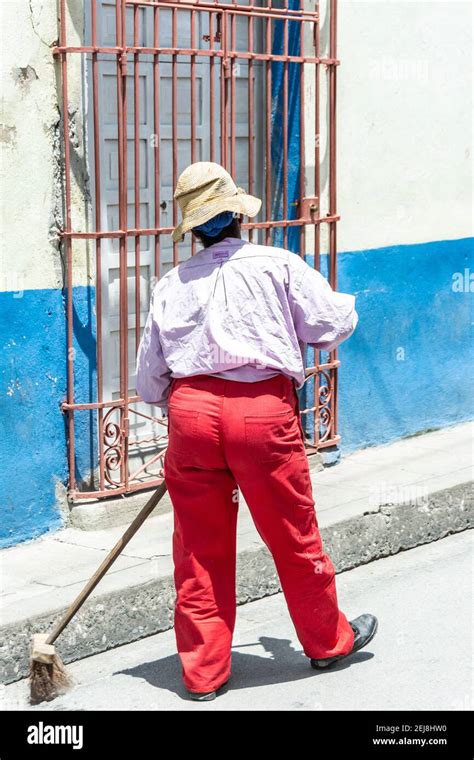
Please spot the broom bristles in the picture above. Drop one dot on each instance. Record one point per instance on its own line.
(48, 680)
(48, 677)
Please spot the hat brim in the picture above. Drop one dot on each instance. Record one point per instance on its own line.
(248, 205)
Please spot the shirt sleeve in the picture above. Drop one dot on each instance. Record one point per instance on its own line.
(323, 318)
(153, 376)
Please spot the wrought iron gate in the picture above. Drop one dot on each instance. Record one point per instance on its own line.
(251, 89)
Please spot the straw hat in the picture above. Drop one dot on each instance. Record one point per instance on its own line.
(203, 190)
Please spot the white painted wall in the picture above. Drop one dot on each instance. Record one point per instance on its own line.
(404, 122)
(31, 197)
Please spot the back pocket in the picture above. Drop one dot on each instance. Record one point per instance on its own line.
(182, 429)
(272, 437)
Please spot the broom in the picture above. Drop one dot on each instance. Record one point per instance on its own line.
(47, 675)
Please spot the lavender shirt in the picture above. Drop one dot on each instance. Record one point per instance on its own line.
(240, 311)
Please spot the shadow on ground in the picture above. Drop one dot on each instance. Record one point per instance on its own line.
(280, 664)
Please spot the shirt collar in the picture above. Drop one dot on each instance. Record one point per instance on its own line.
(228, 242)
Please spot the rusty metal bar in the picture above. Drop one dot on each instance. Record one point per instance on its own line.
(136, 157)
(302, 235)
(155, 230)
(98, 241)
(193, 105)
(156, 138)
(268, 130)
(224, 91)
(317, 146)
(251, 111)
(233, 73)
(317, 193)
(264, 10)
(201, 53)
(123, 221)
(285, 132)
(174, 125)
(118, 490)
(332, 71)
(117, 403)
(134, 475)
(193, 87)
(212, 135)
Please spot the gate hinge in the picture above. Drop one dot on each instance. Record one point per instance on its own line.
(126, 427)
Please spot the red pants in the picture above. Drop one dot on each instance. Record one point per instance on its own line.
(223, 433)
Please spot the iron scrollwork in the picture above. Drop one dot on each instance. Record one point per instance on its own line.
(113, 446)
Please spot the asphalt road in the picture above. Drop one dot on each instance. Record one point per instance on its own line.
(420, 658)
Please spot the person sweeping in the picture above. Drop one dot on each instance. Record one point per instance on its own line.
(222, 355)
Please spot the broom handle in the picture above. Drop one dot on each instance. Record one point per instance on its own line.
(108, 561)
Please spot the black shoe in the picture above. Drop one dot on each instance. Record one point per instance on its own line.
(364, 627)
(199, 696)
(205, 696)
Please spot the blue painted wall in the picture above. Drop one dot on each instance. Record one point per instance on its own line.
(32, 387)
(406, 369)
(408, 366)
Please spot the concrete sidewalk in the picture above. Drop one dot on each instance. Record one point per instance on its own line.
(413, 663)
(374, 503)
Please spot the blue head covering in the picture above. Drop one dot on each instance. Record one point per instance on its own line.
(213, 226)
